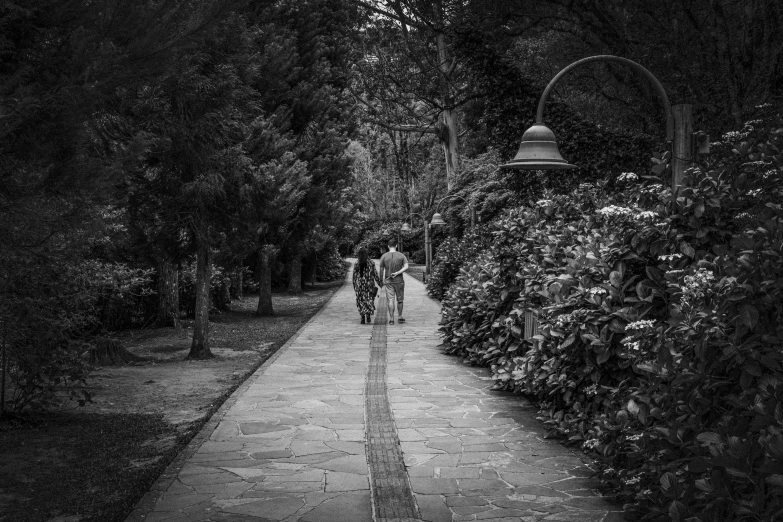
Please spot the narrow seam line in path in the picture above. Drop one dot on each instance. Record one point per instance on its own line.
(391, 493)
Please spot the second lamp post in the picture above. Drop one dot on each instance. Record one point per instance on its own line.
(427, 259)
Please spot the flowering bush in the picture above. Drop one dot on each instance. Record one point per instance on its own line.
(660, 329)
(450, 257)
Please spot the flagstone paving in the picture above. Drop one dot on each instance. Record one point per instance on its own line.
(292, 443)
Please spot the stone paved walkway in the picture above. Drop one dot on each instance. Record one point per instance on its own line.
(292, 444)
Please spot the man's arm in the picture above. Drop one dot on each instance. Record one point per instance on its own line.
(401, 270)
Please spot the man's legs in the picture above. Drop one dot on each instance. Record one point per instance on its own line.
(400, 291)
(391, 298)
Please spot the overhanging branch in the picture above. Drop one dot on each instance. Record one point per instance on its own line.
(387, 14)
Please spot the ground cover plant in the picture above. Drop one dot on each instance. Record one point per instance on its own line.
(94, 463)
(660, 336)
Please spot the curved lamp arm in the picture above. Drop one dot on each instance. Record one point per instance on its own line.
(610, 58)
(416, 214)
(451, 196)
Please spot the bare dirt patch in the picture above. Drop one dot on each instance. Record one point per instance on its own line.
(94, 463)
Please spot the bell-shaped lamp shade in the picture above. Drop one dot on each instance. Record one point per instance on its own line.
(437, 219)
(538, 151)
(405, 227)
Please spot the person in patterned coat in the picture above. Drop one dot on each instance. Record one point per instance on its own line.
(365, 278)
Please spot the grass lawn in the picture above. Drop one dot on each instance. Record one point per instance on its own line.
(94, 463)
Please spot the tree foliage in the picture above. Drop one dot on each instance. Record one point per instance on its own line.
(134, 136)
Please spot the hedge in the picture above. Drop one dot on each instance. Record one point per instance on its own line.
(660, 320)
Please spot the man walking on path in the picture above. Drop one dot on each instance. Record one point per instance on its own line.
(393, 264)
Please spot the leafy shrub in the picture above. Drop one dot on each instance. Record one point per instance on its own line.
(452, 254)
(660, 333)
(331, 265)
(49, 312)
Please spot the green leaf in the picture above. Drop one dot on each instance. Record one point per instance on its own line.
(687, 249)
(704, 485)
(667, 480)
(677, 510)
(632, 408)
(709, 437)
(775, 480)
(748, 315)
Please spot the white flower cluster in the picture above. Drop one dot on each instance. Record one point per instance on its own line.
(564, 321)
(596, 290)
(670, 257)
(661, 224)
(645, 216)
(743, 215)
(590, 443)
(632, 481)
(634, 346)
(651, 189)
(634, 437)
(756, 164)
(640, 325)
(613, 211)
(770, 173)
(544, 203)
(628, 177)
(734, 136)
(697, 285)
(592, 390)
(585, 186)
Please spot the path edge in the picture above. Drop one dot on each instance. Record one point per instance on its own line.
(147, 503)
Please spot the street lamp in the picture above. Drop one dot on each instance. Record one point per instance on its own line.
(437, 219)
(539, 151)
(427, 258)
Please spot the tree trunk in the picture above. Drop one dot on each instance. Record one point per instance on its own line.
(265, 281)
(236, 283)
(109, 352)
(450, 142)
(449, 131)
(312, 276)
(168, 294)
(3, 371)
(295, 274)
(199, 349)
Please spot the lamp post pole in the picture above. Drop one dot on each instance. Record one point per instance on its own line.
(427, 245)
(427, 252)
